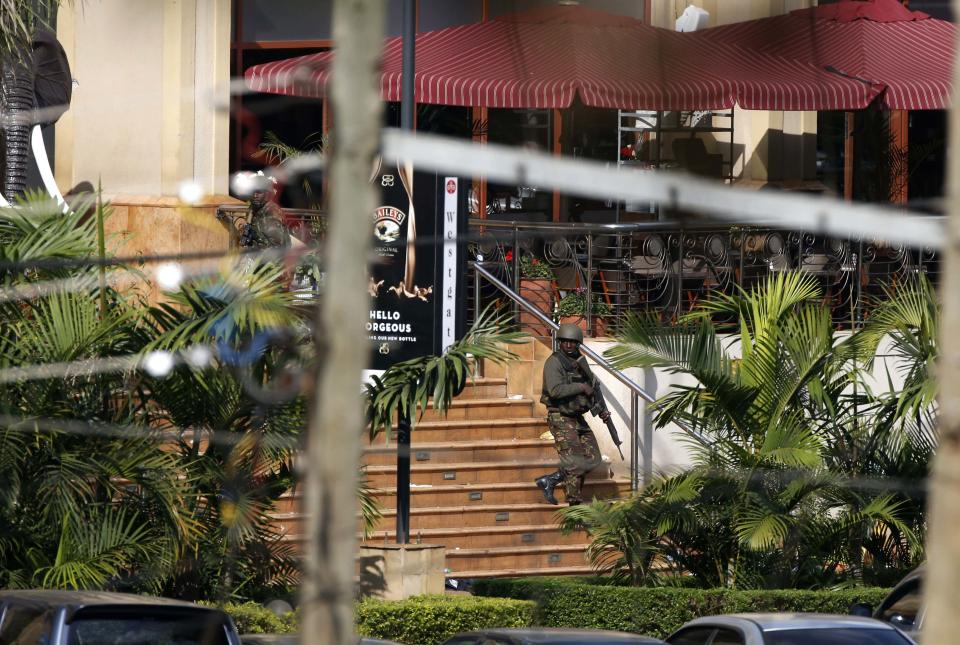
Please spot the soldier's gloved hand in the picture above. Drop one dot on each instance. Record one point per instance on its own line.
(605, 415)
(248, 235)
(587, 389)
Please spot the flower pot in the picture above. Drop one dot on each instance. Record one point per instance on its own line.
(539, 293)
(599, 324)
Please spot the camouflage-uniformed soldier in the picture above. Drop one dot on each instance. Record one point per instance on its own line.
(568, 394)
(264, 228)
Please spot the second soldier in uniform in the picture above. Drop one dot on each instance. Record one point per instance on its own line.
(568, 393)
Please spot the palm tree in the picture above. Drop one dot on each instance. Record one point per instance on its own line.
(77, 508)
(110, 477)
(769, 499)
(238, 428)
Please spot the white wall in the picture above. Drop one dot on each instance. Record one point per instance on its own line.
(668, 446)
(153, 77)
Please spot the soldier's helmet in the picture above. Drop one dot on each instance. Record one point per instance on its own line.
(244, 183)
(569, 331)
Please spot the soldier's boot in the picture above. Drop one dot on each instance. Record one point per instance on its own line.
(547, 483)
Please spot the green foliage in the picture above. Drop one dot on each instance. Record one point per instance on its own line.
(137, 510)
(76, 511)
(18, 19)
(252, 618)
(657, 611)
(409, 385)
(575, 304)
(786, 439)
(534, 268)
(427, 620)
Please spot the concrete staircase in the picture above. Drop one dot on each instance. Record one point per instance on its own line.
(472, 485)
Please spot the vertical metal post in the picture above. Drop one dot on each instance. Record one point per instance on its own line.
(589, 281)
(407, 115)
(403, 479)
(476, 308)
(407, 104)
(516, 270)
(680, 275)
(476, 293)
(732, 114)
(849, 125)
(634, 442)
(647, 445)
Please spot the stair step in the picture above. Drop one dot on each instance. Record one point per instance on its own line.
(475, 495)
(443, 517)
(473, 430)
(463, 451)
(472, 472)
(484, 387)
(547, 556)
(483, 537)
(496, 408)
(524, 572)
(499, 493)
(485, 515)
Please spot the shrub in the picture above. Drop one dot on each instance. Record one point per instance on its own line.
(426, 620)
(533, 267)
(575, 304)
(252, 618)
(657, 611)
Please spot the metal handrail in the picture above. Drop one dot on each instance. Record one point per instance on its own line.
(631, 227)
(610, 228)
(635, 389)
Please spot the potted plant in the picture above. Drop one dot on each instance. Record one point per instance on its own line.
(536, 286)
(572, 308)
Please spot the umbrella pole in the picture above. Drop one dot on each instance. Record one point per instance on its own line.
(848, 152)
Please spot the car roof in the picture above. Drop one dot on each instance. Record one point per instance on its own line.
(560, 636)
(77, 599)
(779, 621)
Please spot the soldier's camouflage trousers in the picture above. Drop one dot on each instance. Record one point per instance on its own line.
(578, 450)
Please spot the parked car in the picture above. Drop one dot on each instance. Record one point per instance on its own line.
(548, 637)
(787, 629)
(903, 607)
(101, 618)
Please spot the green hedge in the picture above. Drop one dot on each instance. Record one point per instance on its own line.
(657, 611)
(253, 618)
(427, 620)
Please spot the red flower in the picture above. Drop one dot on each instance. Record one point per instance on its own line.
(534, 262)
(509, 256)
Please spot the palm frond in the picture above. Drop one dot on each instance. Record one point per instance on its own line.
(411, 385)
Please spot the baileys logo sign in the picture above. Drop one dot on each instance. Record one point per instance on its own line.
(387, 222)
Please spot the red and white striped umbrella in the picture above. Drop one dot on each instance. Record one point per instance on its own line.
(548, 57)
(878, 42)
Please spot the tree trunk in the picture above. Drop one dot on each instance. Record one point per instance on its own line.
(336, 419)
(942, 622)
(16, 102)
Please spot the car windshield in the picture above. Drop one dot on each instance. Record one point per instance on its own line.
(146, 627)
(840, 636)
(903, 606)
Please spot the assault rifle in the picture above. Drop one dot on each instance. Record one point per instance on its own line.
(598, 409)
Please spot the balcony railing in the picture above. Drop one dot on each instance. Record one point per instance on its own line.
(666, 269)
